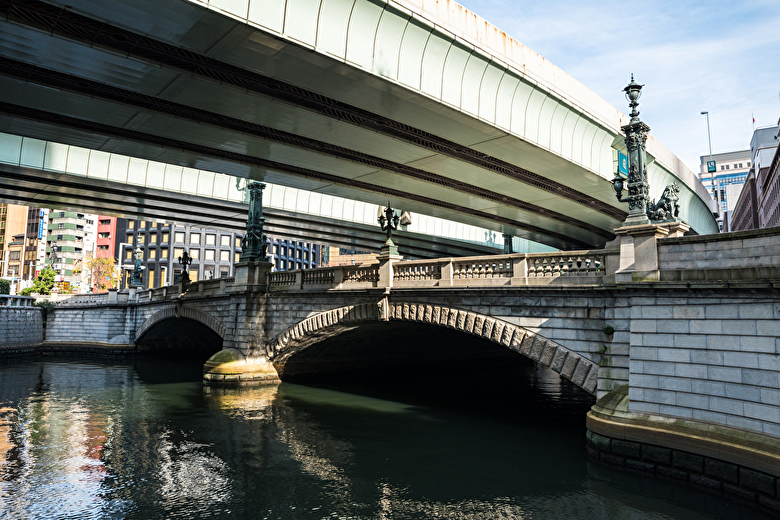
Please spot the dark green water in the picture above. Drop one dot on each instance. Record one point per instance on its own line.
(146, 440)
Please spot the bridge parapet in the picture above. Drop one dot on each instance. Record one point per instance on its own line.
(519, 269)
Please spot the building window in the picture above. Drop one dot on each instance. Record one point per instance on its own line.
(237, 258)
(209, 255)
(142, 224)
(224, 240)
(164, 238)
(62, 214)
(740, 165)
(178, 237)
(722, 167)
(194, 254)
(152, 238)
(164, 252)
(727, 166)
(177, 252)
(208, 274)
(163, 273)
(131, 224)
(238, 242)
(104, 235)
(224, 273)
(211, 240)
(224, 256)
(128, 253)
(195, 239)
(105, 222)
(152, 254)
(13, 255)
(60, 226)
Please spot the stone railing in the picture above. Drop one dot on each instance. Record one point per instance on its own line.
(416, 270)
(63, 300)
(360, 275)
(281, 278)
(8, 300)
(576, 263)
(477, 267)
(569, 268)
(326, 276)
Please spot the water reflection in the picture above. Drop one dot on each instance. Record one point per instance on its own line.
(82, 440)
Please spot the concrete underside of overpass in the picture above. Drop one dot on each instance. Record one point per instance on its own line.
(181, 83)
(37, 187)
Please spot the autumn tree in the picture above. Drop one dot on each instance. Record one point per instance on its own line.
(101, 268)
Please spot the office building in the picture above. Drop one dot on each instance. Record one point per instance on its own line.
(725, 183)
(758, 205)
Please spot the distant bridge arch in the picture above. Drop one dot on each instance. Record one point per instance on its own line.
(569, 364)
(180, 324)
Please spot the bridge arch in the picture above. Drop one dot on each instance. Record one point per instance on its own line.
(569, 364)
(177, 312)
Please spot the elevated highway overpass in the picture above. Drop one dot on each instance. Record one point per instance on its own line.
(420, 104)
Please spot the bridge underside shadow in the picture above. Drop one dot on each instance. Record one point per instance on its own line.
(174, 336)
(422, 364)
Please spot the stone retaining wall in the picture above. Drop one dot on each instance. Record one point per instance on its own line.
(701, 471)
(21, 326)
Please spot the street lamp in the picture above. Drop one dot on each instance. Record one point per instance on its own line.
(711, 162)
(185, 260)
(709, 136)
(388, 221)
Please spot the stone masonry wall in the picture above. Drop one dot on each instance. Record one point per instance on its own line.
(711, 255)
(21, 326)
(713, 357)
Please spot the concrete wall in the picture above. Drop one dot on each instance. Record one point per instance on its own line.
(712, 356)
(21, 326)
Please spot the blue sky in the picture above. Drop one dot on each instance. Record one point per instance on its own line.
(692, 56)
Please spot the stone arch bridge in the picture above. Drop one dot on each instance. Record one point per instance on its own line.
(678, 337)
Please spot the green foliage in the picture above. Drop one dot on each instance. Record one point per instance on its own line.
(5, 286)
(45, 304)
(42, 283)
(608, 329)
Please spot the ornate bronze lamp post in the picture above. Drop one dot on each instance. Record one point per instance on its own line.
(388, 221)
(641, 210)
(255, 243)
(135, 276)
(184, 261)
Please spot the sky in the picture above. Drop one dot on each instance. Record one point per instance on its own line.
(692, 56)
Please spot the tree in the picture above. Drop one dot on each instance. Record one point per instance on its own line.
(5, 286)
(42, 283)
(101, 268)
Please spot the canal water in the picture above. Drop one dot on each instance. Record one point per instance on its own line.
(146, 440)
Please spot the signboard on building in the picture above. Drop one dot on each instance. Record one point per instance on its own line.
(41, 224)
(710, 166)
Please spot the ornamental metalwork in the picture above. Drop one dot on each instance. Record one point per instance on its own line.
(641, 209)
(388, 221)
(254, 245)
(135, 275)
(184, 261)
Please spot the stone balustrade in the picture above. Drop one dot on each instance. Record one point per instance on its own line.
(12, 300)
(518, 269)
